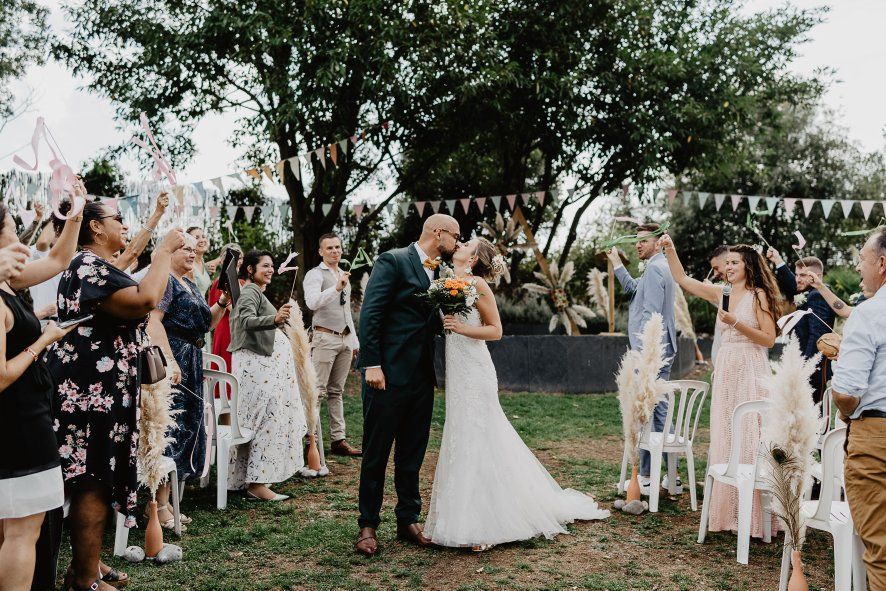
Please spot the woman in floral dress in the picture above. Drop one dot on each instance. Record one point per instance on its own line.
(96, 370)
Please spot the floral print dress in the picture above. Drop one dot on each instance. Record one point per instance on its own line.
(96, 370)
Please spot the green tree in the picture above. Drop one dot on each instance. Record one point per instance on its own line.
(23, 42)
(102, 177)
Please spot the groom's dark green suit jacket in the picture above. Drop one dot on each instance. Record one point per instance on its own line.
(397, 326)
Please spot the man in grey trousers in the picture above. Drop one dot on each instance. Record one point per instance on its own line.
(334, 344)
(652, 292)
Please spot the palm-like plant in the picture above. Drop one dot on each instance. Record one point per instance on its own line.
(554, 287)
(505, 236)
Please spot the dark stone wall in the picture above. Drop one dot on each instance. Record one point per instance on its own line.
(550, 363)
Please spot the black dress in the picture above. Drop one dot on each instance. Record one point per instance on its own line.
(96, 370)
(29, 477)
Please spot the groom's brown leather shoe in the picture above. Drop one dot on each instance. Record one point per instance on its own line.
(343, 448)
(367, 542)
(413, 534)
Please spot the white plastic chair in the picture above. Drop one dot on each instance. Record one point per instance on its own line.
(121, 535)
(831, 515)
(218, 363)
(685, 403)
(746, 478)
(228, 436)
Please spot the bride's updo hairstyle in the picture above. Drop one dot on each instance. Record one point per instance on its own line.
(488, 264)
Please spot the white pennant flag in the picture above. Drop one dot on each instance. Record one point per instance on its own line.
(404, 208)
(687, 197)
(450, 206)
(753, 202)
(719, 198)
(496, 202)
(827, 205)
(295, 166)
(218, 184)
(846, 205)
(771, 204)
(231, 210)
(867, 207)
(808, 204)
(327, 207)
(702, 199)
(249, 211)
(736, 200)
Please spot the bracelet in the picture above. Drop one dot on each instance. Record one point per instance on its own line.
(734, 324)
(31, 351)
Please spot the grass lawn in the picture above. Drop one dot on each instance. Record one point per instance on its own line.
(306, 542)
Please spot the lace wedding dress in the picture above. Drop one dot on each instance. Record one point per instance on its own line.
(489, 488)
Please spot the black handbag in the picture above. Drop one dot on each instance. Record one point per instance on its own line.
(153, 364)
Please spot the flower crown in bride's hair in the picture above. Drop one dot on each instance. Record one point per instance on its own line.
(499, 267)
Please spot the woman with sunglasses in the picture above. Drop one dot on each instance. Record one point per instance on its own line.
(96, 369)
(177, 326)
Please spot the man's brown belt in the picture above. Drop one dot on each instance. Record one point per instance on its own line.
(345, 333)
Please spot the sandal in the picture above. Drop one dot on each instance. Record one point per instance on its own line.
(93, 587)
(115, 578)
(170, 523)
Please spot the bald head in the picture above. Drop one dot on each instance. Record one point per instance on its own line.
(439, 221)
(440, 235)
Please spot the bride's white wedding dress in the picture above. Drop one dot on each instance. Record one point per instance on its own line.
(489, 488)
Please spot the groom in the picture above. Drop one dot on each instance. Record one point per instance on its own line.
(397, 331)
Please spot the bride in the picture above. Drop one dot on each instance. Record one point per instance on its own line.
(489, 488)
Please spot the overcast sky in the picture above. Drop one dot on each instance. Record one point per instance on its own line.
(851, 41)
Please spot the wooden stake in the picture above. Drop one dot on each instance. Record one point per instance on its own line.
(610, 280)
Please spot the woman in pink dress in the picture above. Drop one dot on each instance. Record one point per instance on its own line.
(747, 331)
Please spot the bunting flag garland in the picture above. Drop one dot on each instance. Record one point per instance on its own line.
(789, 204)
(702, 199)
(718, 200)
(435, 206)
(231, 211)
(465, 204)
(866, 208)
(807, 206)
(753, 202)
(327, 207)
(496, 202)
(771, 204)
(249, 210)
(218, 184)
(736, 200)
(481, 203)
(846, 206)
(420, 208)
(827, 205)
(512, 201)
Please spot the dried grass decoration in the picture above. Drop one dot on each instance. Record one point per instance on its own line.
(155, 425)
(790, 435)
(597, 291)
(307, 379)
(640, 389)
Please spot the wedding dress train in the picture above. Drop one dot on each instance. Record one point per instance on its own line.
(489, 488)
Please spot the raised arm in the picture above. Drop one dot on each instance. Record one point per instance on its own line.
(138, 244)
(706, 291)
(56, 261)
(628, 283)
(839, 307)
(26, 236)
(490, 329)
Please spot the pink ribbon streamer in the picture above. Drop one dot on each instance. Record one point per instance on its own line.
(788, 322)
(284, 268)
(801, 241)
(62, 179)
(162, 167)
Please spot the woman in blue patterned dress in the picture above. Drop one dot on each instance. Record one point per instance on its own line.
(178, 326)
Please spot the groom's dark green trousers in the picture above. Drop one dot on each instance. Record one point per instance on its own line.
(402, 413)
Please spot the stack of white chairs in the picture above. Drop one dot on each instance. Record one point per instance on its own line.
(832, 515)
(745, 478)
(685, 403)
(828, 423)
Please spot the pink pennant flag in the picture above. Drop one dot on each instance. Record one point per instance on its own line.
(420, 208)
(28, 216)
(358, 210)
(249, 210)
(111, 203)
(465, 204)
(285, 266)
(801, 242)
(512, 201)
(808, 204)
(354, 139)
(672, 194)
(719, 198)
(321, 156)
(846, 206)
(269, 172)
(789, 204)
(481, 203)
(213, 213)
(867, 207)
(540, 197)
(736, 200)
(281, 169)
(435, 206)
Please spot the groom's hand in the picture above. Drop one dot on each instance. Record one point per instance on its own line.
(375, 378)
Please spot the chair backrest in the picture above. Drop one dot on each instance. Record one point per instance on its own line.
(741, 411)
(217, 362)
(685, 404)
(221, 379)
(826, 423)
(832, 456)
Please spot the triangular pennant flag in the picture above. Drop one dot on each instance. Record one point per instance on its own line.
(435, 206)
(719, 198)
(465, 204)
(867, 206)
(771, 204)
(111, 203)
(540, 197)
(28, 216)
(672, 194)
(702, 199)
(481, 203)
(736, 199)
(195, 210)
(238, 176)
(846, 205)
(254, 173)
(249, 210)
(827, 205)
(807, 206)
(343, 148)
(283, 208)
(333, 155)
(496, 202)
(753, 202)
(789, 204)
(281, 169)
(420, 208)
(358, 210)
(327, 207)
(213, 213)
(231, 210)
(218, 184)
(404, 208)
(269, 172)
(321, 156)
(687, 197)
(343, 210)
(512, 201)
(295, 166)
(450, 205)
(199, 187)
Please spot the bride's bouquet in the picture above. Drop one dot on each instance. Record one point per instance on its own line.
(451, 294)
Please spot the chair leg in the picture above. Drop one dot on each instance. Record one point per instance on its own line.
(672, 474)
(745, 506)
(785, 563)
(176, 499)
(121, 535)
(859, 574)
(842, 559)
(221, 479)
(705, 508)
(654, 479)
(766, 502)
(624, 470)
(690, 477)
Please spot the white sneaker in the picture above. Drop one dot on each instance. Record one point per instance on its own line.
(664, 483)
(645, 481)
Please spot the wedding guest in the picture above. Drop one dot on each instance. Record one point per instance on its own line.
(653, 292)
(43, 295)
(840, 308)
(270, 402)
(859, 389)
(799, 288)
(96, 371)
(221, 336)
(36, 225)
(126, 259)
(334, 344)
(30, 476)
(717, 260)
(200, 275)
(177, 326)
(748, 331)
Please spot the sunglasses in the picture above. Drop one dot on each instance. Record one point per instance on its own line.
(341, 298)
(117, 216)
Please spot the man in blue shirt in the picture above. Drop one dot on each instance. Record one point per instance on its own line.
(859, 388)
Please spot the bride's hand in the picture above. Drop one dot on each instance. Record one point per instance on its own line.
(451, 323)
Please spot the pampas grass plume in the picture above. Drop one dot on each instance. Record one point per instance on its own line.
(304, 369)
(155, 424)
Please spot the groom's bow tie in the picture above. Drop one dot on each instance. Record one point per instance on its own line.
(432, 264)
